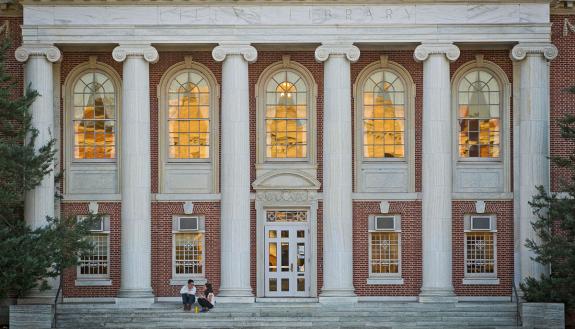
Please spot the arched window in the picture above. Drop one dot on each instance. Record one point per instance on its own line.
(94, 116)
(286, 116)
(189, 116)
(383, 116)
(478, 115)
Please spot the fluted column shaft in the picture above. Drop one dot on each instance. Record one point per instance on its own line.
(38, 73)
(235, 171)
(436, 167)
(533, 140)
(337, 178)
(135, 170)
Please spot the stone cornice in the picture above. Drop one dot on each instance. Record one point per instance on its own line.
(423, 51)
(520, 51)
(52, 53)
(350, 51)
(249, 53)
(149, 53)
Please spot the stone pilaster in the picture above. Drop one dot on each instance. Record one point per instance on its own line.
(136, 172)
(436, 176)
(337, 172)
(532, 138)
(40, 202)
(235, 172)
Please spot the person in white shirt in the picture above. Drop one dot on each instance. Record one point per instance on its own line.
(188, 293)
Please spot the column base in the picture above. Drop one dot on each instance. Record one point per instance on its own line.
(345, 295)
(437, 295)
(231, 295)
(135, 298)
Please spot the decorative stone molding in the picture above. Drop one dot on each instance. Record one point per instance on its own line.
(249, 53)
(384, 207)
(149, 53)
(423, 51)
(52, 53)
(188, 208)
(93, 207)
(480, 206)
(290, 196)
(520, 51)
(568, 27)
(350, 51)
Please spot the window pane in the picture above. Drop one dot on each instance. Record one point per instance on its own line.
(383, 98)
(188, 253)
(479, 111)
(95, 263)
(480, 256)
(94, 117)
(384, 252)
(286, 116)
(189, 116)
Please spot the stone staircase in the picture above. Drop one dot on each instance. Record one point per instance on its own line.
(290, 315)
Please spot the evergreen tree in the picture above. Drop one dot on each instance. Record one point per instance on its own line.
(29, 256)
(555, 228)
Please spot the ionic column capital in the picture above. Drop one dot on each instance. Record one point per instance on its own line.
(350, 51)
(423, 51)
(521, 50)
(52, 53)
(249, 53)
(149, 53)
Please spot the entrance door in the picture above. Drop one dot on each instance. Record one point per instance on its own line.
(287, 260)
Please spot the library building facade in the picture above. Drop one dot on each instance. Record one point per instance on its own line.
(322, 150)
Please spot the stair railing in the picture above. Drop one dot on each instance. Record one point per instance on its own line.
(518, 319)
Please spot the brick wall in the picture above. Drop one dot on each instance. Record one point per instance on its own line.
(562, 102)
(162, 214)
(112, 209)
(14, 68)
(504, 212)
(411, 257)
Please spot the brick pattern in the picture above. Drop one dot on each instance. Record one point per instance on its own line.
(14, 68)
(562, 78)
(162, 247)
(405, 59)
(113, 209)
(504, 212)
(411, 254)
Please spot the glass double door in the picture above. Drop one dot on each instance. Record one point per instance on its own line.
(287, 259)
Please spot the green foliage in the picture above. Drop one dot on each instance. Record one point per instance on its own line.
(555, 229)
(29, 256)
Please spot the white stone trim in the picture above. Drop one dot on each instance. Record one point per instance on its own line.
(520, 51)
(260, 89)
(149, 53)
(198, 280)
(170, 197)
(482, 196)
(409, 196)
(199, 167)
(491, 165)
(52, 53)
(98, 167)
(480, 281)
(92, 282)
(248, 52)
(71, 198)
(409, 161)
(387, 298)
(384, 281)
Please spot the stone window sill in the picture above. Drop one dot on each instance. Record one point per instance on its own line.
(384, 281)
(198, 281)
(481, 281)
(93, 282)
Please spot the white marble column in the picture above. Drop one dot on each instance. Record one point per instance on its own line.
(235, 172)
(40, 202)
(436, 171)
(135, 172)
(532, 137)
(337, 172)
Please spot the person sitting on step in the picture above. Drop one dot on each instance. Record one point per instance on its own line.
(209, 300)
(188, 293)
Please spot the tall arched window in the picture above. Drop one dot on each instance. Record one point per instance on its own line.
(189, 116)
(94, 116)
(286, 116)
(383, 116)
(478, 115)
